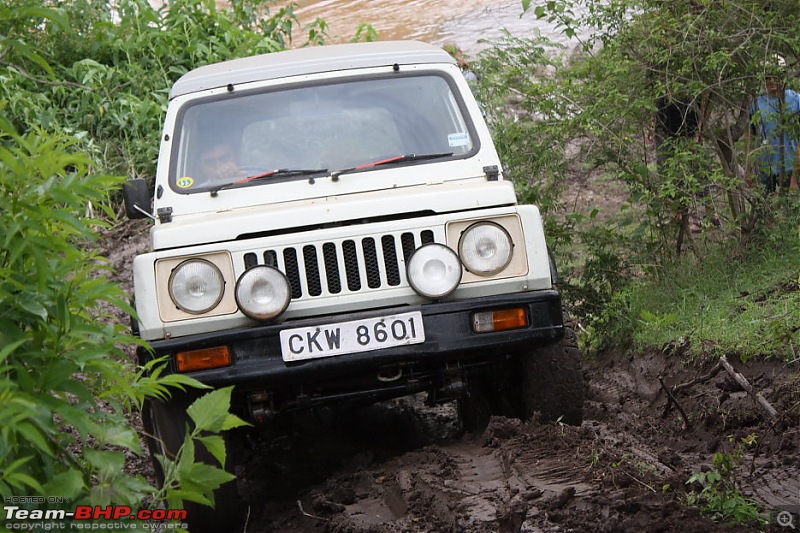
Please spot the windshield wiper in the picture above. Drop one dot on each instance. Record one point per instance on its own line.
(270, 174)
(396, 159)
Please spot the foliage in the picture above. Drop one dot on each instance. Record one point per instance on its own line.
(527, 122)
(711, 54)
(102, 71)
(61, 363)
(365, 33)
(743, 299)
(592, 114)
(91, 77)
(65, 384)
(719, 497)
(184, 477)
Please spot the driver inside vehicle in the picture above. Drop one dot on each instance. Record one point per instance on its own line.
(220, 163)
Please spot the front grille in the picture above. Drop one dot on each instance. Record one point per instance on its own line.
(348, 265)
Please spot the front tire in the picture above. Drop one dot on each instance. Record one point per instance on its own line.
(545, 383)
(165, 429)
(553, 387)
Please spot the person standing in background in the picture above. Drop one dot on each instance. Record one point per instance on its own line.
(773, 134)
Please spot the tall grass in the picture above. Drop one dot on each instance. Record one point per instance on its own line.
(741, 300)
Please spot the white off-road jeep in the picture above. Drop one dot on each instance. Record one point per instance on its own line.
(333, 227)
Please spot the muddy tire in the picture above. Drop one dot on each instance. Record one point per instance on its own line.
(474, 408)
(553, 386)
(165, 428)
(493, 391)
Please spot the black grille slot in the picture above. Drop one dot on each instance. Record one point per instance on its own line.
(390, 260)
(292, 272)
(371, 263)
(407, 241)
(312, 271)
(331, 268)
(351, 265)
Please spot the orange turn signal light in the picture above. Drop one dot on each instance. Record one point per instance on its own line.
(501, 320)
(204, 359)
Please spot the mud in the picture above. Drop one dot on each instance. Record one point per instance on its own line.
(389, 468)
(404, 467)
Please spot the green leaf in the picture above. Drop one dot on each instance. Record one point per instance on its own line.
(29, 303)
(68, 484)
(232, 421)
(187, 455)
(210, 411)
(177, 497)
(215, 445)
(22, 480)
(181, 381)
(19, 463)
(204, 479)
(117, 434)
(33, 435)
(9, 349)
(79, 389)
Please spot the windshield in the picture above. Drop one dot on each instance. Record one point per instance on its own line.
(319, 129)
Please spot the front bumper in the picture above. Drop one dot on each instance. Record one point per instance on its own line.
(256, 351)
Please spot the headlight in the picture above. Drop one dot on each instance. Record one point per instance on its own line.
(485, 248)
(263, 292)
(434, 270)
(196, 286)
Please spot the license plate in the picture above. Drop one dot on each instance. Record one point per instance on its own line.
(355, 336)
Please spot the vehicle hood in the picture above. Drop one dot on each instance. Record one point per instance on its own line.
(227, 223)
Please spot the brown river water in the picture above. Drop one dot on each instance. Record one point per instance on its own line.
(463, 22)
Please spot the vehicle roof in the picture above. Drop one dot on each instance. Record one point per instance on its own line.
(311, 60)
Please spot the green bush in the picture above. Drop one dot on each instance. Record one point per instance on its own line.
(67, 386)
(742, 299)
(61, 355)
(103, 72)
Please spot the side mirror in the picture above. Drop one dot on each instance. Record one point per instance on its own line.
(136, 195)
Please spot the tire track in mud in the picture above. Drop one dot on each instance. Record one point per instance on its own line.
(467, 486)
(775, 486)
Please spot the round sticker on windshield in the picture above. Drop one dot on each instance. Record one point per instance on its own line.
(185, 182)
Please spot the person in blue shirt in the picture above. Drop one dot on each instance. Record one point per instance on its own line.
(774, 126)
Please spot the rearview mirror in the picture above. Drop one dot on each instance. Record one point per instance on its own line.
(136, 195)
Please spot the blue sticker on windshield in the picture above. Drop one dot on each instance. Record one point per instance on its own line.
(458, 139)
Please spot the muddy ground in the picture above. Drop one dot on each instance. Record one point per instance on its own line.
(405, 467)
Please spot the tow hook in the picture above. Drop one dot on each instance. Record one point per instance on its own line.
(385, 376)
(261, 409)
